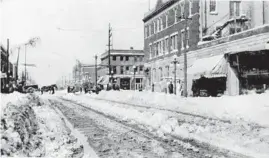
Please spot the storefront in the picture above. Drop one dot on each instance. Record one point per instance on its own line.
(230, 65)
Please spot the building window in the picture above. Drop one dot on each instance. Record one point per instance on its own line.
(182, 39)
(212, 6)
(114, 70)
(127, 58)
(182, 6)
(121, 58)
(156, 48)
(157, 30)
(235, 8)
(161, 24)
(121, 70)
(114, 57)
(167, 71)
(135, 59)
(150, 51)
(141, 58)
(176, 16)
(141, 68)
(127, 68)
(152, 28)
(166, 20)
(190, 7)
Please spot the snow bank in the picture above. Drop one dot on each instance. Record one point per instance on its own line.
(29, 128)
(251, 108)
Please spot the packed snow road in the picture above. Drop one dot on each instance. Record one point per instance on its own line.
(110, 136)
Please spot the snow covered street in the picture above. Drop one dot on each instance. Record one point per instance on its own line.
(110, 125)
(235, 123)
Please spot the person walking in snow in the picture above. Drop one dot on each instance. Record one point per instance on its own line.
(170, 88)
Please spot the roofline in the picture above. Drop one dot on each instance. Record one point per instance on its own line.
(114, 52)
(158, 10)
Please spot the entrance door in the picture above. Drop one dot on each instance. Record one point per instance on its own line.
(125, 83)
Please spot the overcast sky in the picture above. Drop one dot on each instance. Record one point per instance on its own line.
(69, 30)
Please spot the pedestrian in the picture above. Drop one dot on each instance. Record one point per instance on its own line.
(170, 88)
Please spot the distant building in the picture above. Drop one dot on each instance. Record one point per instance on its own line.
(4, 66)
(123, 63)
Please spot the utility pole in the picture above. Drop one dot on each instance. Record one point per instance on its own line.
(7, 61)
(95, 70)
(185, 49)
(17, 67)
(109, 44)
(25, 65)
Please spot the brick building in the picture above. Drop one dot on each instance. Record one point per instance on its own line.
(123, 65)
(164, 38)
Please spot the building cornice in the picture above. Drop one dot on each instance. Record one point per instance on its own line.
(160, 9)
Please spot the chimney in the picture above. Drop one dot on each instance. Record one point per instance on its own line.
(131, 48)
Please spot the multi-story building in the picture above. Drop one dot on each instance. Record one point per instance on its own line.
(165, 37)
(127, 67)
(232, 55)
(225, 40)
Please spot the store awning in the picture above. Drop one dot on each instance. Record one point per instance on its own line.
(210, 67)
(250, 48)
(103, 80)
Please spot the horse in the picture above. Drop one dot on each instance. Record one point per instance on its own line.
(49, 88)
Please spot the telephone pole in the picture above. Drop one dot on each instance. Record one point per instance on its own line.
(25, 64)
(7, 61)
(185, 92)
(109, 45)
(95, 70)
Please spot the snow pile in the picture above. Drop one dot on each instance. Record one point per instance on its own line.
(251, 108)
(29, 128)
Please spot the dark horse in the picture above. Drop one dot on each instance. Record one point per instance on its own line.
(50, 89)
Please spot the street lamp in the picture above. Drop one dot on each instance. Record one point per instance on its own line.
(134, 67)
(175, 62)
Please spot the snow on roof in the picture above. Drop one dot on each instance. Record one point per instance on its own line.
(207, 66)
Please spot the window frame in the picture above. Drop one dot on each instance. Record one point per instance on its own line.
(210, 3)
(114, 57)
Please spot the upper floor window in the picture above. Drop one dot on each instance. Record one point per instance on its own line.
(141, 68)
(135, 59)
(213, 6)
(114, 70)
(176, 16)
(127, 68)
(127, 58)
(160, 24)
(141, 58)
(183, 38)
(121, 70)
(190, 7)
(114, 57)
(166, 44)
(121, 58)
(235, 8)
(182, 11)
